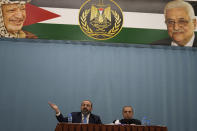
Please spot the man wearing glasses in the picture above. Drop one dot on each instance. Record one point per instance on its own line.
(85, 116)
(181, 24)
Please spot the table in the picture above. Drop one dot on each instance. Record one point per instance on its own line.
(102, 127)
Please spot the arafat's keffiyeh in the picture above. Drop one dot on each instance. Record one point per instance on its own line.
(3, 30)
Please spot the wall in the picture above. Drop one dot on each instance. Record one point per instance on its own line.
(159, 82)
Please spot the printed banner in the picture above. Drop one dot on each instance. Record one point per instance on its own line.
(116, 21)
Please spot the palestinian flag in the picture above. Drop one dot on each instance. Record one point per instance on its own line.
(58, 20)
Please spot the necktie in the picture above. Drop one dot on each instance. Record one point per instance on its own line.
(85, 120)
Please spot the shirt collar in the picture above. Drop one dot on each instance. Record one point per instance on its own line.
(86, 116)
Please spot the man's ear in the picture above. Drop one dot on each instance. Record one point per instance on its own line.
(194, 22)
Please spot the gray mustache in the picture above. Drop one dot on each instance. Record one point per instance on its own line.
(177, 31)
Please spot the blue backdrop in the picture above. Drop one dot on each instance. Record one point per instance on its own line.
(159, 82)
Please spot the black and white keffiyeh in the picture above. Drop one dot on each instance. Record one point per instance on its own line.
(3, 30)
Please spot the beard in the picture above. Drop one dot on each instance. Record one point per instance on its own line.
(85, 111)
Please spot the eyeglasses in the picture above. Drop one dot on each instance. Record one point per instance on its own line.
(180, 22)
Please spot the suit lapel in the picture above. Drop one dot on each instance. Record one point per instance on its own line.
(79, 117)
(91, 120)
(195, 42)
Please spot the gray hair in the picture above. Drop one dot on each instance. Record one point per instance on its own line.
(180, 4)
(128, 106)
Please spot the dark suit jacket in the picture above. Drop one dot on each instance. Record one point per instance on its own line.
(129, 121)
(167, 42)
(76, 118)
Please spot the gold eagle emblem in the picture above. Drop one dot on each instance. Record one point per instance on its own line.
(100, 17)
(100, 13)
(100, 21)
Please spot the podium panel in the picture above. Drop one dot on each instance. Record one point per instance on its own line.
(102, 127)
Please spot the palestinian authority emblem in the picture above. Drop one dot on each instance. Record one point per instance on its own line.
(100, 19)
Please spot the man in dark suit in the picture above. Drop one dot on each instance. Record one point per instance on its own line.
(85, 116)
(181, 24)
(127, 113)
